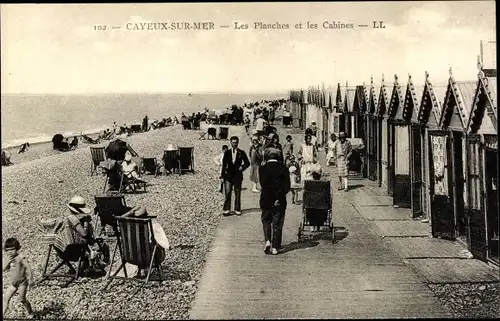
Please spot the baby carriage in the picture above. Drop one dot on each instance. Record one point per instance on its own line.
(316, 208)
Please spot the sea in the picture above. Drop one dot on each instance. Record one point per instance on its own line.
(37, 118)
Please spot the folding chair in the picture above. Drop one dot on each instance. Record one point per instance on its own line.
(72, 253)
(212, 133)
(138, 247)
(186, 159)
(98, 155)
(171, 160)
(151, 165)
(107, 208)
(223, 132)
(202, 135)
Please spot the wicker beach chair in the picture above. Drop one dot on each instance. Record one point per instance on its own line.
(138, 247)
(186, 159)
(98, 156)
(151, 165)
(108, 207)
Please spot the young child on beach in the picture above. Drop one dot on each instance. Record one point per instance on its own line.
(288, 147)
(20, 275)
(293, 167)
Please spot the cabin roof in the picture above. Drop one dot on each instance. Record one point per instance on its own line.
(349, 98)
(483, 116)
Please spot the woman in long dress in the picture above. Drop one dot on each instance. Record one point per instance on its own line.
(255, 162)
(342, 150)
(307, 156)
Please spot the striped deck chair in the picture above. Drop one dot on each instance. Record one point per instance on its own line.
(67, 252)
(98, 155)
(138, 247)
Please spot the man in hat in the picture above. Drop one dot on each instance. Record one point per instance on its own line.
(341, 151)
(275, 184)
(234, 163)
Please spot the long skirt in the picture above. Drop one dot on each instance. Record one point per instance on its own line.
(342, 169)
(254, 173)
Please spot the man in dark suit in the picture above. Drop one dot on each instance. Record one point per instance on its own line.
(275, 184)
(234, 163)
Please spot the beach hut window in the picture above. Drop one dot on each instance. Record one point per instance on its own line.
(402, 162)
(439, 158)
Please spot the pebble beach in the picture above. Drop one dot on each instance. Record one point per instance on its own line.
(188, 207)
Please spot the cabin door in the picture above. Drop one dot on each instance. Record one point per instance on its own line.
(341, 120)
(390, 158)
(380, 142)
(401, 161)
(373, 149)
(458, 183)
(416, 171)
(441, 185)
(303, 115)
(491, 170)
(476, 225)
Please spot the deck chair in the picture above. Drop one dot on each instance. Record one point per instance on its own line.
(151, 165)
(223, 133)
(73, 253)
(186, 159)
(108, 207)
(212, 133)
(138, 247)
(202, 135)
(171, 160)
(98, 155)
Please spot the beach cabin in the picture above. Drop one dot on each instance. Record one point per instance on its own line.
(455, 110)
(482, 169)
(399, 147)
(383, 132)
(297, 108)
(339, 107)
(373, 142)
(333, 115)
(314, 111)
(350, 117)
(409, 114)
(360, 107)
(437, 178)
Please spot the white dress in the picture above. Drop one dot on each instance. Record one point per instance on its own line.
(307, 158)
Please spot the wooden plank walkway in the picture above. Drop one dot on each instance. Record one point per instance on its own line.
(358, 277)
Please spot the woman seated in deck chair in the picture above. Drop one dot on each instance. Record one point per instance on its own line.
(130, 169)
(75, 228)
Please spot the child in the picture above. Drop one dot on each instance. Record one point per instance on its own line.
(288, 147)
(293, 167)
(20, 275)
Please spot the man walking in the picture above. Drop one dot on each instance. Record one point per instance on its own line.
(234, 163)
(275, 184)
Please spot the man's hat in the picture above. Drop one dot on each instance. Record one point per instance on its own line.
(272, 153)
(342, 135)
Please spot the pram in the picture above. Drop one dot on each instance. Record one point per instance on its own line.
(317, 197)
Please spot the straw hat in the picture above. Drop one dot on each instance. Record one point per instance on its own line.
(342, 135)
(171, 147)
(77, 205)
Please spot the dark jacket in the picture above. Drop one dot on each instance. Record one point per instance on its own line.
(274, 180)
(230, 171)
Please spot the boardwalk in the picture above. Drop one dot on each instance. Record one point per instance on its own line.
(358, 277)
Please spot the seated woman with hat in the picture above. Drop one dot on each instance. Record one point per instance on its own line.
(77, 229)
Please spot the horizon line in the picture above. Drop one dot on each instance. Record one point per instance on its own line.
(283, 91)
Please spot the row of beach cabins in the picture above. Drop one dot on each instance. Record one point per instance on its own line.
(434, 149)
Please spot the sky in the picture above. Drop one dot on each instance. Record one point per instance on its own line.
(55, 49)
